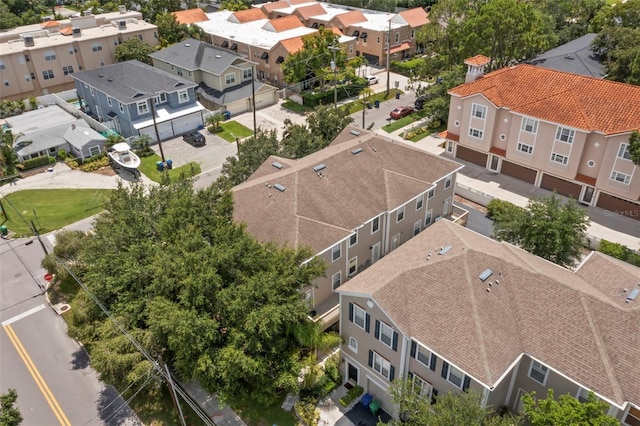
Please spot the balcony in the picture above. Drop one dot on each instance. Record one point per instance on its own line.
(458, 215)
(327, 312)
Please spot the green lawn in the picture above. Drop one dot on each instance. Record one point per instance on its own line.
(259, 415)
(150, 170)
(296, 107)
(55, 208)
(421, 136)
(404, 121)
(357, 105)
(232, 130)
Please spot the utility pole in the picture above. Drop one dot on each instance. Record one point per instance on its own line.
(172, 391)
(253, 99)
(334, 67)
(389, 59)
(155, 126)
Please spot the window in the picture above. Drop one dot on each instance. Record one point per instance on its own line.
(621, 177)
(94, 150)
(48, 74)
(428, 218)
(419, 202)
(4, 67)
(447, 182)
(425, 357)
(67, 70)
(161, 98)
(479, 111)
(359, 317)
(397, 37)
(416, 228)
(385, 333)
(455, 376)
(431, 193)
(382, 366)
(33, 76)
(247, 73)
(400, 214)
(565, 135)
(121, 106)
(353, 239)
(560, 159)
(353, 266)
(633, 417)
(5, 82)
(353, 344)
(50, 56)
(91, 91)
(583, 395)
(420, 386)
(413, 33)
(20, 59)
(230, 78)
(351, 49)
(96, 47)
(98, 113)
(140, 37)
(623, 151)
(109, 101)
(27, 58)
(523, 147)
(378, 40)
(375, 225)
(27, 77)
(529, 125)
(538, 372)
(183, 96)
(143, 107)
(475, 133)
(335, 252)
(336, 280)
(179, 71)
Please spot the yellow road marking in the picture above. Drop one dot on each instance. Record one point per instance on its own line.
(42, 385)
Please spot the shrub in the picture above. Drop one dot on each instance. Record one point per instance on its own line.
(343, 91)
(619, 251)
(214, 129)
(331, 369)
(62, 154)
(351, 395)
(33, 102)
(71, 162)
(497, 209)
(308, 413)
(94, 164)
(36, 162)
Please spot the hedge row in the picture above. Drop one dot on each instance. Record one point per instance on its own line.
(344, 91)
(32, 163)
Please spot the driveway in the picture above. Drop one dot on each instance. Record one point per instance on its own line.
(360, 415)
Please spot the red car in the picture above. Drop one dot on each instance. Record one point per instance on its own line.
(401, 112)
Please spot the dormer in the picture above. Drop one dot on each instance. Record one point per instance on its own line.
(475, 67)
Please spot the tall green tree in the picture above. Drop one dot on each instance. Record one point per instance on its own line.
(634, 147)
(152, 8)
(170, 31)
(548, 228)
(566, 410)
(9, 414)
(570, 19)
(134, 48)
(8, 158)
(234, 5)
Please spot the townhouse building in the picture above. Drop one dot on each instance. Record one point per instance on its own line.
(453, 310)
(556, 130)
(137, 99)
(351, 203)
(41, 58)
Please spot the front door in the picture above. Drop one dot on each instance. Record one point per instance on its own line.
(587, 195)
(445, 209)
(495, 163)
(352, 373)
(375, 253)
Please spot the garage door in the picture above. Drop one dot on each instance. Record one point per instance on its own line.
(187, 123)
(265, 99)
(471, 156)
(517, 171)
(380, 395)
(619, 206)
(561, 186)
(164, 130)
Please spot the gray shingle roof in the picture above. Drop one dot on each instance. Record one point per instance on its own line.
(230, 94)
(194, 54)
(124, 80)
(575, 57)
(79, 136)
(575, 322)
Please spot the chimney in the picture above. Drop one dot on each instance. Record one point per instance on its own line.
(122, 25)
(122, 8)
(73, 127)
(475, 67)
(28, 41)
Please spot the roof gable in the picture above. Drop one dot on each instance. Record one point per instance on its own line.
(248, 15)
(270, 7)
(292, 45)
(283, 24)
(350, 18)
(415, 17)
(307, 12)
(192, 54)
(190, 16)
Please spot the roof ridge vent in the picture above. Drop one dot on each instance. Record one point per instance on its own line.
(444, 250)
(279, 187)
(356, 151)
(355, 132)
(319, 167)
(485, 274)
(276, 165)
(632, 295)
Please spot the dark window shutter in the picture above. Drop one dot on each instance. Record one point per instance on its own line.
(370, 358)
(377, 332)
(392, 373)
(410, 375)
(434, 394)
(367, 323)
(394, 344)
(432, 362)
(465, 384)
(445, 369)
(351, 312)
(414, 347)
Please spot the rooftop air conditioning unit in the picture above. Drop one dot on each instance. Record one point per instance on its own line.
(28, 41)
(76, 32)
(122, 25)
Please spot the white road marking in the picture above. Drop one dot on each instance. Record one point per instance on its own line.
(23, 315)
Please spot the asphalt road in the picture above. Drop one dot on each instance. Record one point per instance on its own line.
(50, 371)
(378, 117)
(477, 221)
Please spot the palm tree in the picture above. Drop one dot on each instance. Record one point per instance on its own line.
(214, 121)
(8, 157)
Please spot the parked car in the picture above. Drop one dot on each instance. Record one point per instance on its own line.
(194, 138)
(372, 79)
(400, 112)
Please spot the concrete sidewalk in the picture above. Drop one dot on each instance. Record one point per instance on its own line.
(222, 415)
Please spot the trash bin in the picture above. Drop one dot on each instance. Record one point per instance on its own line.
(397, 95)
(3, 230)
(366, 399)
(160, 166)
(169, 164)
(226, 115)
(376, 104)
(368, 105)
(374, 406)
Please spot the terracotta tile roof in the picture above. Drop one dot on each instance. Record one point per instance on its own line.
(448, 135)
(249, 15)
(66, 31)
(295, 2)
(403, 46)
(415, 17)
(190, 16)
(577, 101)
(534, 307)
(498, 151)
(336, 31)
(477, 60)
(586, 179)
(313, 210)
(285, 23)
(307, 12)
(292, 45)
(350, 18)
(270, 7)
(50, 24)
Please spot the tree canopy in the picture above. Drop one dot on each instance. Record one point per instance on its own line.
(9, 414)
(548, 227)
(634, 147)
(566, 410)
(134, 48)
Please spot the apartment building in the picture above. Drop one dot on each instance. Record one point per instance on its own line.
(41, 58)
(556, 130)
(351, 203)
(454, 310)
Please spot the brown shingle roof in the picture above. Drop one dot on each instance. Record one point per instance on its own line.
(350, 18)
(307, 12)
(190, 16)
(415, 17)
(313, 211)
(285, 23)
(577, 101)
(574, 322)
(249, 15)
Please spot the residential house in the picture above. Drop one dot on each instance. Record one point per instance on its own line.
(454, 310)
(351, 203)
(224, 78)
(84, 142)
(575, 57)
(137, 99)
(555, 130)
(41, 58)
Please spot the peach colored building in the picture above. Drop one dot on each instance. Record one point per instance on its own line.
(39, 59)
(555, 130)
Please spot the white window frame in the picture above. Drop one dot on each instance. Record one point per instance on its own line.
(336, 280)
(524, 148)
(247, 73)
(431, 193)
(420, 202)
(623, 151)
(48, 74)
(109, 101)
(538, 368)
(4, 67)
(478, 111)
(416, 227)
(381, 366)
(50, 55)
(529, 125)
(582, 395)
(66, 70)
(352, 241)
(375, 225)
(359, 314)
(559, 158)
(337, 249)
(386, 331)
(353, 344)
(179, 71)
(428, 219)
(413, 33)
(161, 98)
(183, 96)
(353, 266)
(143, 107)
(419, 385)
(447, 182)
(422, 352)
(121, 106)
(565, 138)
(626, 179)
(229, 79)
(92, 150)
(453, 372)
(475, 133)
(92, 91)
(400, 214)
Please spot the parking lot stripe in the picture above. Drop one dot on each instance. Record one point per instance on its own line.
(23, 315)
